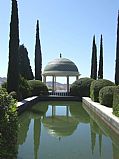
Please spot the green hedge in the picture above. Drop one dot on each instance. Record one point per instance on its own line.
(116, 102)
(28, 88)
(81, 87)
(106, 95)
(96, 87)
(37, 88)
(24, 89)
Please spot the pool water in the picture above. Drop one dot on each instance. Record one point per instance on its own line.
(64, 130)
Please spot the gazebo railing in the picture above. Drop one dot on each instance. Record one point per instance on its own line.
(59, 93)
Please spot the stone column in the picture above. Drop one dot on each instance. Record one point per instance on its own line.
(53, 81)
(67, 111)
(53, 111)
(77, 77)
(44, 79)
(67, 84)
(55, 84)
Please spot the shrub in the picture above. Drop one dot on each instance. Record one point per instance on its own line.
(24, 88)
(4, 85)
(13, 94)
(106, 95)
(81, 87)
(7, 103)
(37, 88)
(96, 87)
(116, 102)
(8, 125)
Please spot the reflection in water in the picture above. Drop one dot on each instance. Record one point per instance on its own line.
(60, 125)
(71, 123)
(95, 130)
(79, 113)
(102, 128)
(23, 126)
(37, 131)
(93, 140)
(100, 144)
(35, 113)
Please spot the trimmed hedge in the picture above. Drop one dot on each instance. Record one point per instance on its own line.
(116, 102)
(96, 87)
(106, 95)
(24, 89)
(37, 88)
(28, 88)
(81, 87)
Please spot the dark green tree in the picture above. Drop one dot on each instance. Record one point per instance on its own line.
(24, 64)
(117, 55)
(13, 65)
(100, 71)
(94, 60)
(38, 55)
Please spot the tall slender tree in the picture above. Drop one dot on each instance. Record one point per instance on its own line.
(94, 60)
(38, 55)
(13, 65)
(117, 55)
(100, 71)
(24, 64)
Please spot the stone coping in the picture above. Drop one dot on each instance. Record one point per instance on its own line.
(25, 101)
(24, 104)
(105, 113)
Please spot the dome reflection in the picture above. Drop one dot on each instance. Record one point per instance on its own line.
(60, 125)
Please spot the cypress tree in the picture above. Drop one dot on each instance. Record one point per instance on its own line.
(13, 65)
(100, 71)
(38, 56)
(117, 55)
(94, 60)
(24, 64)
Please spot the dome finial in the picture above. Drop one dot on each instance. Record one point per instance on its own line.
(60, 55)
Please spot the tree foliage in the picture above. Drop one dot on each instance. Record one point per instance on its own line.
(24, 64)
(100, 71)
(13, 65)
(117, 55)
(94, 60)
(38, 56)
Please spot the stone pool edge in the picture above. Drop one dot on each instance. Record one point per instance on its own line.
(105, 113)
(28, 102)
(24, 104)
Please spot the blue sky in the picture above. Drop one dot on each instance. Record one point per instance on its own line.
(67, 27)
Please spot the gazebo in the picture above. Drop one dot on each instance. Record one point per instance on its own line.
(60, 67)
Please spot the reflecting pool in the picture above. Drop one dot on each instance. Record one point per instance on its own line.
(64, 130)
